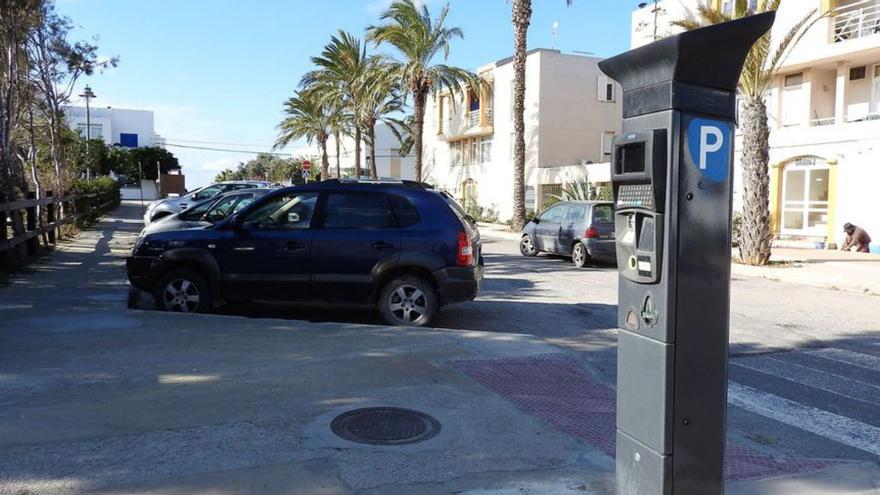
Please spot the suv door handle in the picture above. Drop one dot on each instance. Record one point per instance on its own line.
(294, 246)
(382, 245)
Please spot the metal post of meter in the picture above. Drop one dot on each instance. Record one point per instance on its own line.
(672, 169)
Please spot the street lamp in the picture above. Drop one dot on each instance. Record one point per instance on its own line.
(88, 95)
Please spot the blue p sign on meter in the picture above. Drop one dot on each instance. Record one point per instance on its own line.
(709, 143)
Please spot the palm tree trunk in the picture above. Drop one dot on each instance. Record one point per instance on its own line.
(374, 173)
(419, 100)
(756, 234)
(357, 151)
(338, 166)
(522, 13)
(325, 160)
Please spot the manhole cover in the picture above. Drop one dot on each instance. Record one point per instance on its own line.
(385, 426)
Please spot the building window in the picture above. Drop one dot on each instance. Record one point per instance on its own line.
(455, 153)
(794, 80)
(606, 91)
(128, 140)
(805, 197)
(607, 137)
(857, 73)
(97, 131)
(471, 151)
(486, 150)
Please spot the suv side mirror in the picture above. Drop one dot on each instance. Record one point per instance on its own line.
(536, 220)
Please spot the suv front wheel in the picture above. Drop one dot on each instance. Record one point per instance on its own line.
(408, 301)
(182, 291)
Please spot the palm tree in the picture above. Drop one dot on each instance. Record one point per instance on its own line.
(380, 100)
(420, 39)
(339, 75)
(760, 69)
(225, 175)
(522, 16)
(340, 125)
(306, 117)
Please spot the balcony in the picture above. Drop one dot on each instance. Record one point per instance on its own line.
(857, 20)
(473, 118)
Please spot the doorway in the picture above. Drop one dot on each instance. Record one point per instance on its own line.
(805, 197)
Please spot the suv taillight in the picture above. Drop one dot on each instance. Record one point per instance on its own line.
(591, 233)
(465, 252)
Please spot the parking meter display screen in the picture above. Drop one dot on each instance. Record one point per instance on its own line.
(630, 158)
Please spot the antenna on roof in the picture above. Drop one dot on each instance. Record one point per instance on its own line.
(555, 33)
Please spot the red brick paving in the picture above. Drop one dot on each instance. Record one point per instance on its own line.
(556, 389)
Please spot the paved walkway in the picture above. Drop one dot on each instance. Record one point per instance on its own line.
(95, 398)
(837, 270)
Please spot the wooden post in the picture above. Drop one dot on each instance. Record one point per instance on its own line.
(50, 216)
(31, 215)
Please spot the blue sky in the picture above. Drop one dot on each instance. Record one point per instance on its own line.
(218, 71)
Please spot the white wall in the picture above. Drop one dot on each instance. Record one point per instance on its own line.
(387, 149)
(116, 121)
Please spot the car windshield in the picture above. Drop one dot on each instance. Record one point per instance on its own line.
(197, 212)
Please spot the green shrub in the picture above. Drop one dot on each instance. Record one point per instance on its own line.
(107, 197)
(482, 214)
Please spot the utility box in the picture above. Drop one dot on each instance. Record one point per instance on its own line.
(672, 169)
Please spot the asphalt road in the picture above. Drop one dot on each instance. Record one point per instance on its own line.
(805, 368)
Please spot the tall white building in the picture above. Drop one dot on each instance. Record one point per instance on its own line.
(129, 128)
(389, 162)
(824, 112)
(571, 113)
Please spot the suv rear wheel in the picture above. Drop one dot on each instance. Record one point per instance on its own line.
(408, 301)
(182, 291)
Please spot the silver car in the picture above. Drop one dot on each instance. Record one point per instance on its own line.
(170, 206)
(207, 212)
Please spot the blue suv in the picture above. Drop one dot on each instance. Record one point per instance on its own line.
(399, 246)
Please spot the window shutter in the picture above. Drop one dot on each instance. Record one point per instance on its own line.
(603, 87)
(437, 104)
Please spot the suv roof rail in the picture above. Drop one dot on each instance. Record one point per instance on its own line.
(381, 181)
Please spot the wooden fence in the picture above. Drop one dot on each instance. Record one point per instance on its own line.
(23, 221)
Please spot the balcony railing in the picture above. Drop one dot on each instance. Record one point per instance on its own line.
(490, 116)
(474, 118)
(857, 21)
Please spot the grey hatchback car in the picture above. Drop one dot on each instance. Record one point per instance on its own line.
(583, 230)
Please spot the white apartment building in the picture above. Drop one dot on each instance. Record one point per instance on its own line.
(389, 162)
(824, 112)
(571, 113)
(129, 128)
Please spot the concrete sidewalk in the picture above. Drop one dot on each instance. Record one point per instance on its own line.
(836, 270)
(95, 398)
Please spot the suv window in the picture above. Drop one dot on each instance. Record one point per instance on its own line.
(358, 210)
(554, 215)
(208, 192)
(283, 212)
(405, 212)
(603, 213)
(576, 213)
(194, 214)
(222, 208)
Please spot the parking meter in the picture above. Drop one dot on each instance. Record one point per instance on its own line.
(671, 172)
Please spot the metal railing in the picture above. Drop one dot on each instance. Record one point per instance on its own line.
(473, 118)
(490, 116)
(856, 21)
(823, 121)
